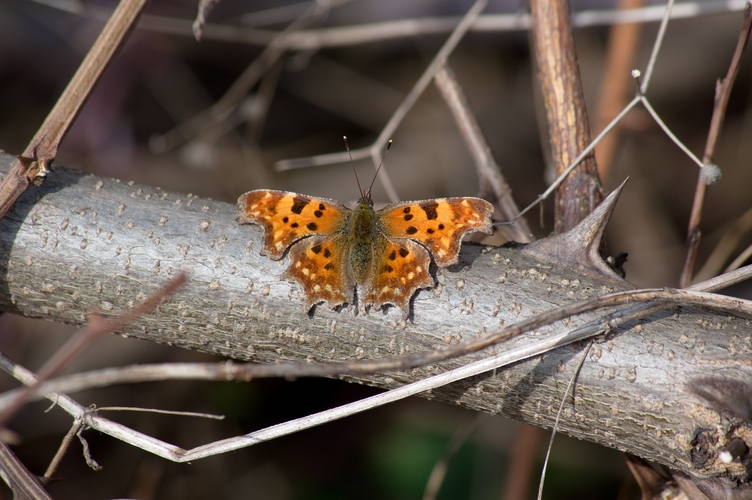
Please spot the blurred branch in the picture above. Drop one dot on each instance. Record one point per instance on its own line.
(722, 94)
(623, 40)
(375, 149)
(406, 28)
(493, 186)
(226, 104)
(32, 166)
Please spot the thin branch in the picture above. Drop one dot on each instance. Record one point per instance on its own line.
(725, 247)
(32, 166)
(570, 387)
(580, 157)
(524, 460)
(558, 74)
(656, 47)
(668, 131)
(64, 445)
(374, 150)
(739, 260)
(722, 94)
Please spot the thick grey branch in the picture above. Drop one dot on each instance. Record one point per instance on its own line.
(82, 244)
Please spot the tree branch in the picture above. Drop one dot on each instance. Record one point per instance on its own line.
(81, 244)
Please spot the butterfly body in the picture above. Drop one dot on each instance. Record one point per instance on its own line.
(384, 255)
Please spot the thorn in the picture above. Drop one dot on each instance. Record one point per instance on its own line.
(579, 247)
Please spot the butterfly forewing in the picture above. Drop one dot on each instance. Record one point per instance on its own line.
(287, 217)
(438, 224)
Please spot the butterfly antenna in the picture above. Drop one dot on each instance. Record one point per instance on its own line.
(347, 147)
(388, 147)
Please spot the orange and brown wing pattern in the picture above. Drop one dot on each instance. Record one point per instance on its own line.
(287, 217)
(399, 268)
(438, 224)
(317, 263)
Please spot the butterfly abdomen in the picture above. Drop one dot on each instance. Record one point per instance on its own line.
(361, 242)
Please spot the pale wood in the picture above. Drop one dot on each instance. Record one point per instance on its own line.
(81, 244)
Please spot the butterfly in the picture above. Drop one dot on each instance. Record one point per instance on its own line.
(382, 255)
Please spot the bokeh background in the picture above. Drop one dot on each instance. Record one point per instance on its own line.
(303, 106)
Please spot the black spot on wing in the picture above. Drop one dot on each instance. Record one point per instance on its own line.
(408, 216)
(393, 255)
(404, 252)
(327, 253)
(294, 224)
(299, 203)
(318, 213)
(312, 226)
(285, 219)
(316, 248)
(411, 230)
(429, 208)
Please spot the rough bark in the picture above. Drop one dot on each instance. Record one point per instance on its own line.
(566, 113)
(81, 244)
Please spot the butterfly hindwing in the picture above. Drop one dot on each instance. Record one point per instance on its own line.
(318, 264)
(438, 224)
(287, 217)
(399, 268)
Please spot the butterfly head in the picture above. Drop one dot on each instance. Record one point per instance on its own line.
(365, 195)
(365, 198)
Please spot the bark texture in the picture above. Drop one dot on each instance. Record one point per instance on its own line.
(81, 244)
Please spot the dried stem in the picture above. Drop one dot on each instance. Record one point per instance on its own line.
(722, 94)
(64, 445)
(438, 473)
(33, 165)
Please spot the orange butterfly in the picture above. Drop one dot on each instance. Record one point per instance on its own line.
(384, 255)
